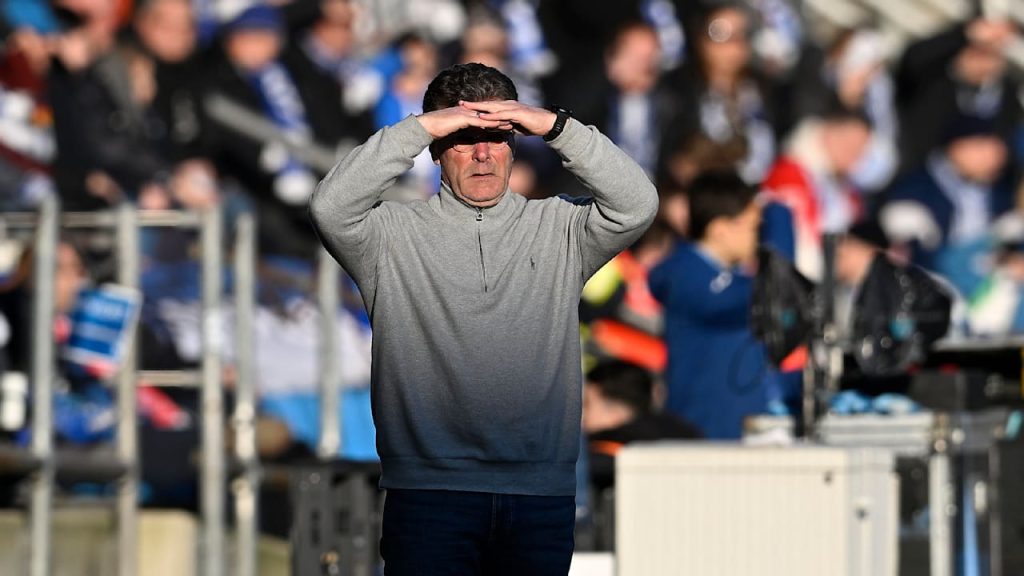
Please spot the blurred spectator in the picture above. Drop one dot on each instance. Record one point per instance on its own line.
(812, 178)
(853, 71)
(404, 96)
(27, 145)
(618, 408)
(105, 138)
(165, 34)
(961, 71)
(579, 33)
(674, 207)
(943, 211)
(779, 38)
(622, 318)
(528, 55)
(332, 44)
(165, 67)
(625, 276)
(272, 94)
(637, 109)
(717, 372)
(83, 403)
(995, 308)
(486, 41)
(404, 93)
(855, 251)
(724, 106)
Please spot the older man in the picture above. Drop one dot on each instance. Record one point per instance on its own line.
(473, 297)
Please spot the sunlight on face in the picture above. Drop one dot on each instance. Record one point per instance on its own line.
(477, 171)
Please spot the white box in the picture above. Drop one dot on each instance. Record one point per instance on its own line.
(712, 509)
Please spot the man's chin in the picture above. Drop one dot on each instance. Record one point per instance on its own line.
(483, 198)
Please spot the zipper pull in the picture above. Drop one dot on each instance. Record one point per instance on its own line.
(479, 215)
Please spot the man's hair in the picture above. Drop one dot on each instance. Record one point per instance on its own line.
(837, 112)
(717, 194)
(623, 382)
(472, 82)
(619, 36)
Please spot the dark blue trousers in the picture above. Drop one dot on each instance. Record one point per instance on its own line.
(439, 532)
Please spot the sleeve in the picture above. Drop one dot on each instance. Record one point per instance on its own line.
(624, 200)
(926, 60)
(777, 230)
(343, 208)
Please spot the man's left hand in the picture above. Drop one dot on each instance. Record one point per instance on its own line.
(524, 119)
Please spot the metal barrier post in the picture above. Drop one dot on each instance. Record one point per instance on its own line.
(942, 500)
(330, 373)
(43, 373)
(127, 423)
(212, 477)
(246, 486)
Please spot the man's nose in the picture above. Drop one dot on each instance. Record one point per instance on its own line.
(481, 151)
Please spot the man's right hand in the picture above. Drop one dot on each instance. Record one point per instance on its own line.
(440, 123)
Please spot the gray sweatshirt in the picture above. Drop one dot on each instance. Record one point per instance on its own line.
(476, 372)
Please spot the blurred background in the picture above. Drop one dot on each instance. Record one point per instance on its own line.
(185, 374)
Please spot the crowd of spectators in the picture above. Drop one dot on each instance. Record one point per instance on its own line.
(195, 104)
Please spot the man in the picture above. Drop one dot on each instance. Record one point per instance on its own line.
(619, 408)
(717, 373)
(258, 72)
(473, 298)
(637, 107)
(943, 212)
(962, 70)
(813, 179)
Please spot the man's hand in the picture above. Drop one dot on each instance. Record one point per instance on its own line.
(441, 123)
(520, 117)
(492, 115)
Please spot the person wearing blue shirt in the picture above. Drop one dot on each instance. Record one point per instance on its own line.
(717, 372)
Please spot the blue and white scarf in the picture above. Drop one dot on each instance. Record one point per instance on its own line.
(281, 101)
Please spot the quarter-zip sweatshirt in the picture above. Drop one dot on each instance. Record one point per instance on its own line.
(476, 378)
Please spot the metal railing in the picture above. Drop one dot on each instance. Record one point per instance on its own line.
(330, 368)
(43, 372)
(246, 486)
(44, 462)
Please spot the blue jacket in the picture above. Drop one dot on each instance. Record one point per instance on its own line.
(955, 261)
(717, 372)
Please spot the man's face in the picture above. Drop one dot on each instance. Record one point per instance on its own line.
(725, 46)
(632, 66)
(978, 158)
(853, 258)
(168, 29)
(476, 164)
(845, 143)
(601, 413)
(252, 49)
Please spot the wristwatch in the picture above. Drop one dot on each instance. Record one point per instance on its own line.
(562, 116)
